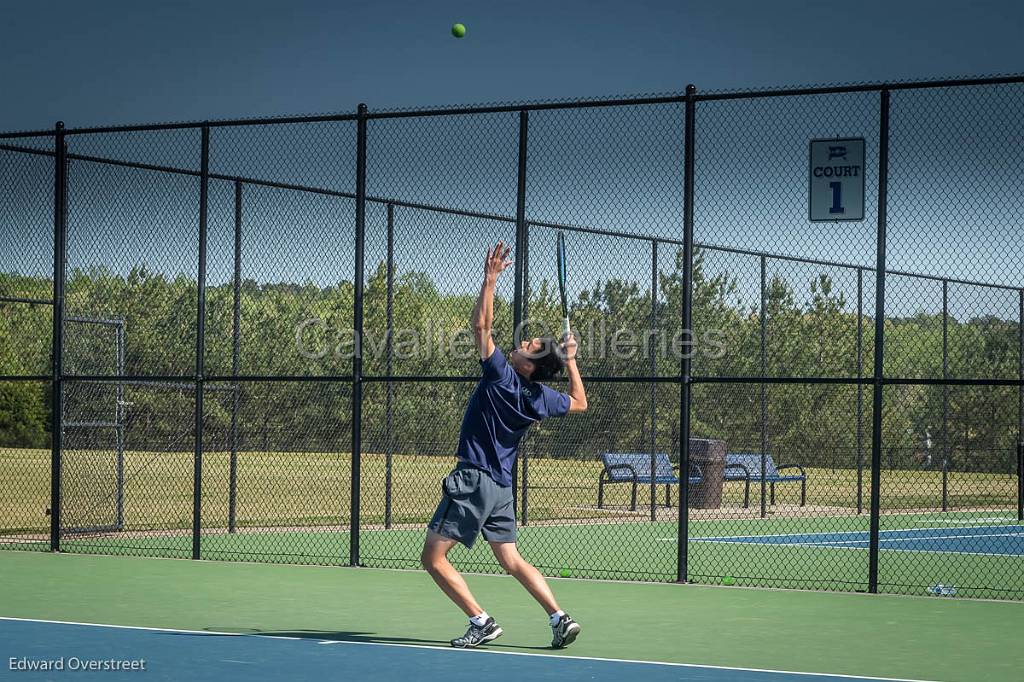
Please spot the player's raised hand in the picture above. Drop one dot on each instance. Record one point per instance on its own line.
(569, 347)
(497, 260)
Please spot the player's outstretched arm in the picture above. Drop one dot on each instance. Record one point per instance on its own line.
(482, 319)
(577, 393)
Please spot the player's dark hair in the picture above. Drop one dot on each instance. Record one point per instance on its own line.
(548, 361)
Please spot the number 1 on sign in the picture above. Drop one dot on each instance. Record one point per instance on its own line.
(837, 198)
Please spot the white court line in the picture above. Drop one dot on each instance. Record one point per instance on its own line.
(759, 544)
(808, 545)
(473, 651)
(845, 544)
(965, 522)
(1018, 531)
(921, 540)
(914, 539)
(717, 538)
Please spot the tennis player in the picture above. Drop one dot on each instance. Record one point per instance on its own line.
(477, 494)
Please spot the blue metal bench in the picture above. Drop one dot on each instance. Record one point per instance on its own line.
(635, 468)
(746, 466)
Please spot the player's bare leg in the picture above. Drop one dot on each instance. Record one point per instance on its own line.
(482, 628)
(435, 560)
(529, 577)
(564, 629)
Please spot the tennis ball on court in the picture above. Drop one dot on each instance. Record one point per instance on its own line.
(565, 573)
(458, 30)
(728, 580)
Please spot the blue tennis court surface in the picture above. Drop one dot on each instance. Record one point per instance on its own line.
(1007, 540)
(200, 655)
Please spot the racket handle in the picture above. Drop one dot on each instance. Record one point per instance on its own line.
(565, 328)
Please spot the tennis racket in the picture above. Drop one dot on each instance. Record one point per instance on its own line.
(561, 283)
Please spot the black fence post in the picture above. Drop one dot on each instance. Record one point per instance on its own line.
(524, 516)
(764, 387)
(652, 349)
(520, 294)
(119, 422)
(860, 390)
(389, 405)
(60, 176)
(357, 317)
(1020, 481)
(236, 335)
(878, 380)
(683, 526)
(1020, 407)
(945, 395)
(197, 460)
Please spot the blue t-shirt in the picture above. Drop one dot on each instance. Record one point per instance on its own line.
(499, 412)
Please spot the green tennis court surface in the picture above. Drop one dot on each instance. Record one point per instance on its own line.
(728, 632)
(972, 551)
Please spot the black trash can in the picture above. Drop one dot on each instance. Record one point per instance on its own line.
(708, 456)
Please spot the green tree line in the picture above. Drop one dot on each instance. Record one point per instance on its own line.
(301, 330)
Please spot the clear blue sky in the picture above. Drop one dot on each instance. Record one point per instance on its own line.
(120, 61)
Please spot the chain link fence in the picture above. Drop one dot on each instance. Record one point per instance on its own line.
(248, 340)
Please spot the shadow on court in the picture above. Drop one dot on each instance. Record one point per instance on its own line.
(324, 635)
(357, 637)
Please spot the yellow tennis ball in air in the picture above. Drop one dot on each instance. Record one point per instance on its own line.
(458, 30)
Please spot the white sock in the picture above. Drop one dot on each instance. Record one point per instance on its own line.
(556, 616)
(480, 619)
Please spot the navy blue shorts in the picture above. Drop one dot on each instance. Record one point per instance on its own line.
(471, 504)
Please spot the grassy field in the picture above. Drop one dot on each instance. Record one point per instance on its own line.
(293, 508)
(301, 489)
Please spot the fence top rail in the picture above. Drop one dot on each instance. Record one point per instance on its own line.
(707, 96)
(608, 233)
(511, 107)
(188, 125)
(102, 321)
(1003, 79)
(25, 300)
(16, 134)
(953, 280)
(18, 149)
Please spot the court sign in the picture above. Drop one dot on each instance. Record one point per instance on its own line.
(837, 180)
